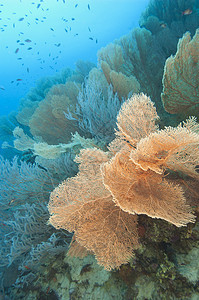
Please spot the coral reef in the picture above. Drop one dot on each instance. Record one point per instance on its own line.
(74, 198)
(132, 179)
(122, 175)
(97, 108)
(180, 80)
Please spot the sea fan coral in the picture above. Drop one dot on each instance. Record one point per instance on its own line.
(100, 204)
(82, 204)
(180, 93)
(145, 192)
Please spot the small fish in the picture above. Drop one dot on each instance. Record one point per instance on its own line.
(12, 81)
(21, 44)
(52, 29)
(89, 29)
(64, 1)
(66, 30)
(20, 58)
(90, 38)
(163, 25)
(27, 267)
(76, 34)
(18, 41)
(2, 88)
(29, 48)
(187, 12)
(96, 41)
(28, 41)
(72, 19)
(89, 7)
(21, 19)
(58, 44)
(76, 5)
(18, 79)
(13, 25)
(17, 50)
(38, 5)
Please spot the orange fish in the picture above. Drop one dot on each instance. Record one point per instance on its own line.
(187, 12)
(27, 268)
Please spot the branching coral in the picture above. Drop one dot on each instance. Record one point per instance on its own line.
(130, 176)
(97, 108)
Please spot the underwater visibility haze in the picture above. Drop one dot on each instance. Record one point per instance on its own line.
(39, 38)
(99, 157)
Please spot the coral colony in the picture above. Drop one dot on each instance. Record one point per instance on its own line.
(101, 201)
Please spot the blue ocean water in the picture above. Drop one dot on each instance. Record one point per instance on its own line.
(60, 33)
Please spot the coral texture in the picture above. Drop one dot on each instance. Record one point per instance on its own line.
(49, 121)
(181, 81)
(100, 204)
(82, 204)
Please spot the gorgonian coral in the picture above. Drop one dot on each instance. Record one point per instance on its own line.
(100, 204)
